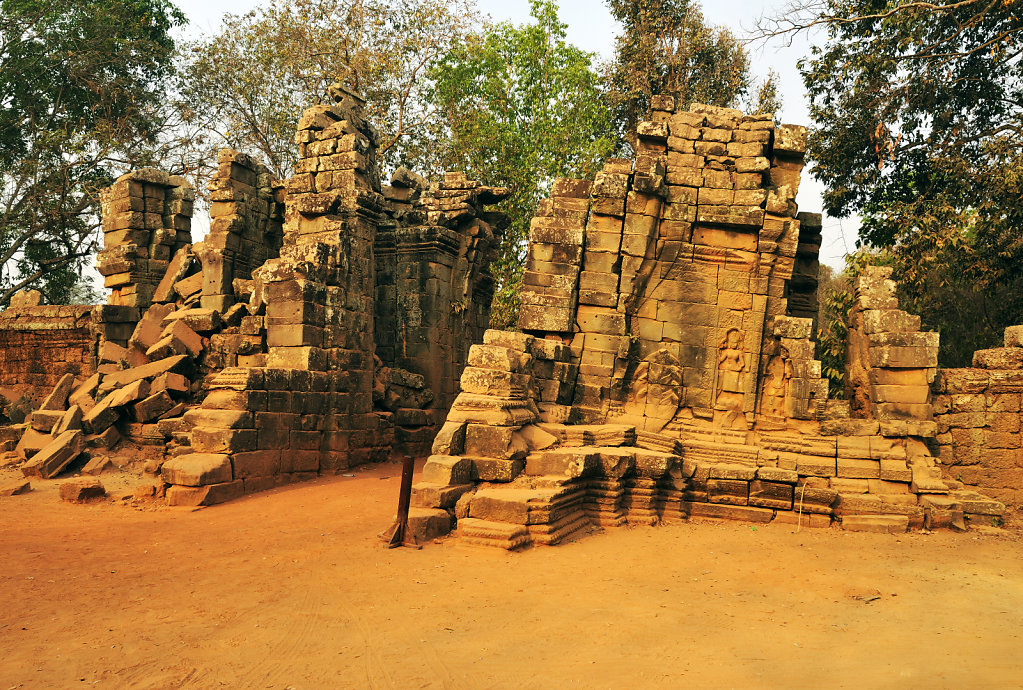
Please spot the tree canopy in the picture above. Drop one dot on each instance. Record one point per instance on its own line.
(246, 85)
(522, 106)
(918, 127)
(80, 84)
(667, 48)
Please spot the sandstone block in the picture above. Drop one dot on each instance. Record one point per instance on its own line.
(198, 469)
(770, 494)
(879, 524)
(999, 358)
(81, 490)
(44, 421)
(57, 399)
(447, 470)
(496, 469)
(425, 524)
(496, 383)
(729, 512)
(15, 488)
(206, 495)
(152, 407)
(55, 456)
(427, 495)
(212, 440)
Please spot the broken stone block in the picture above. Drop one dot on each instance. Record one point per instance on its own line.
(207, 495)
(198, 469)
(70, 421)
(112, 352)
(81, 489)
(45, 420)
(57, 399)
(172, 383)
(15, 488)
(152, 407)
(83, 395)
(176, 364)
(129, 393)
(187, 287)
(425, 524)
(106, 439)
(55, 456)
(31, 442)
(97, 465)
(447, 470)
(176, 270)
(199, 320)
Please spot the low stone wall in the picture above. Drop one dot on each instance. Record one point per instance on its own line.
(40, 344)
(978, 412)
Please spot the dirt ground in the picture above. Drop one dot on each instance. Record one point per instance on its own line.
(291, 589)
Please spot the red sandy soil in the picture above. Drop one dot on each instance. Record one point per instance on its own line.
(291, 589)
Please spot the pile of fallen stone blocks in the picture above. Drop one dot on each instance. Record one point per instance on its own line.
(146, 218)
(94, 415)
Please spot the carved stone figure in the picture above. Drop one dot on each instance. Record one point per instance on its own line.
(775, 400)
(732, 366)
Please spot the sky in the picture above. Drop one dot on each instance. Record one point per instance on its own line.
(591, 27)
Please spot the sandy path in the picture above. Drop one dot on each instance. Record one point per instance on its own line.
(290, 589)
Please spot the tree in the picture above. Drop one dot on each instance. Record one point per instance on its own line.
(80, 84)
(918, 113)
(522, 107)
(246, 86)
(667, 48)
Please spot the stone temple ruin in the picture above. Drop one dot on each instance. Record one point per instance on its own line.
(663, 367)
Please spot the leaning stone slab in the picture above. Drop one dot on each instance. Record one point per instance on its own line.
(55, 456)
(121, 378)
(57, 399)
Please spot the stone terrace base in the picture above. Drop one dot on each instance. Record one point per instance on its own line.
(565, 490)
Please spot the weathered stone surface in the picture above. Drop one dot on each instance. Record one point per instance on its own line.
(57, 399)
(55, 456)
(81, 490)
(15, 488)
(198, 469)
(881, 524)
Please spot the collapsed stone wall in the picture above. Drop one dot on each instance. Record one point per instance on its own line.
(663, 372)
(978, 415)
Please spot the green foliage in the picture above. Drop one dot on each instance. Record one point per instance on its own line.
(835, 294)
(521, 107)
(831, 338)
(80, 84)
(246, 86)
(918, 110)
(667, 48)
